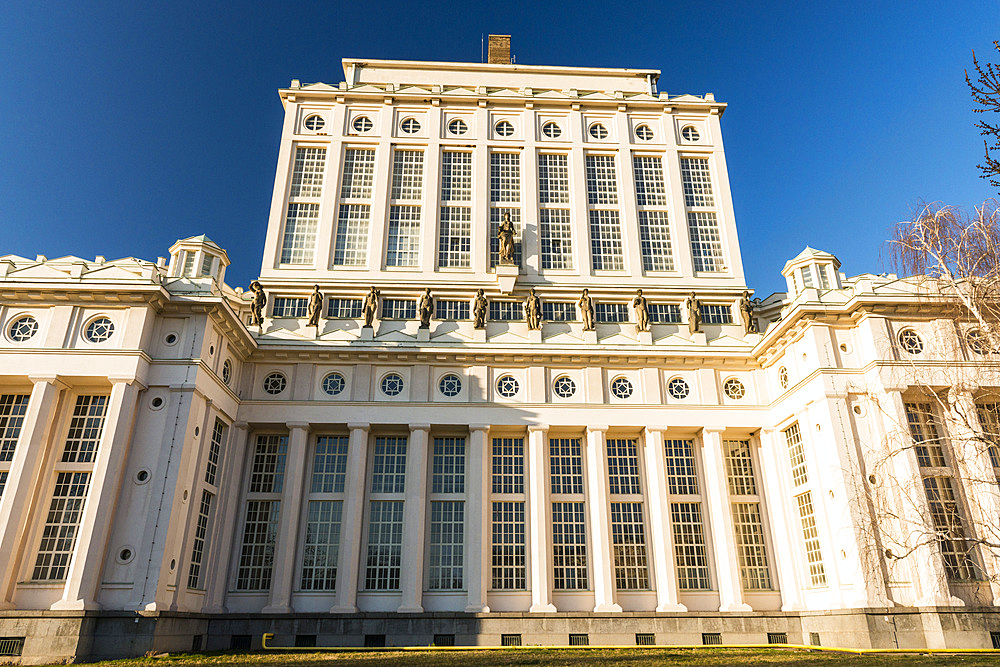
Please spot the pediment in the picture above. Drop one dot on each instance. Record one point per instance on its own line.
(687, 97)
(552, 94)
(40, 272)
(414, 90)
(319, 86)
(114, 272)
(367, 88)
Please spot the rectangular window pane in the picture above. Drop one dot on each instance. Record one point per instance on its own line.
(260, 532)
(267, 473)
(3, 481)
(351, 248)
(12, 410)
(389, 465)
(85, 429)
(403, 243)
(553, 179)
(989, 422)
(623, 467)
(793, 440)
(359, 173)
(716, 314)
(569, 547)
(555, 235)
(385, 545)
(329, 469)
(448, 466)
(629, 541)
(206, 265)
(749, 530)
(200, 535)
(508, 563)
(689, 546)
(697, 182)
(289, 307)
(817, 573)
(508, 465)
(407, 174)
(925, 434)
(654, 241)
(343, 309)
(496, 216)
(706, 244)
(456, 176)
(650, 188)
(602, 187)
(455, 237)
(451, 310)
(739, 468)
(307, 173)
(446, 547)
(506, 311)
(682, 480)
(61, 526)
(558, 311)
(298, 244)
(505, 177)
(399, 309)
(605, 241)
(322, 546)
(664, 313)
(946, 516)
(611, 312)
(219, 431)
(566, 465)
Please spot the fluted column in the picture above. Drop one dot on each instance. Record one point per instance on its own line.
(477, 518)
(600, 532)
(230, 488)
(661, 536)
(411, 581)
(348, 561)
(292, 494)
(541, 585)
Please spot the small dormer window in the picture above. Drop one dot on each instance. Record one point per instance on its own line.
(206, 265)
(807, 277)
(824, 280)
(188, 263)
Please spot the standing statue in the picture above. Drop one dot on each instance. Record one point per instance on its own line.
(505, 234)
(479, 308)
(533, 311)
(586, 306)
(746, 311)
(257, 304)
(693, 313)
(370, 306)
(641, 312)
(426, 309)
(315, 307)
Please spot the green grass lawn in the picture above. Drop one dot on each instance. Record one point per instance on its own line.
(559, 658)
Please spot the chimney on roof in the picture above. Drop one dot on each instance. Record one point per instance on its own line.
(498, 52)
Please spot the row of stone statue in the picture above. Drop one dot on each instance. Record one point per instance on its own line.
(480, 309)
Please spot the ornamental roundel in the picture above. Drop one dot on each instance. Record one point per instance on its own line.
(507, 386)
(783, 377)
(977, 340)
(678, 388)
(227, 371)
(734, 389)
(450, 385)
(392, 384)
(23, 328)
(621, 387)
(910, 341)
(275, 383)
(564, 387)
(99, 330)
(333, 384)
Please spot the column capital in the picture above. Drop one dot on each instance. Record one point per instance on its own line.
(535, 428)
(420, 427)
(479, 427)
(292, 426)
(126, 379)
(241, 425)
(358, 426)
(655, 430)
(54, 380)
(712, 430)
(768, 430)
(597, 428)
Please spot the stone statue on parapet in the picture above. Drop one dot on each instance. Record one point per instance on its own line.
(746, 312)
(641, 312)
(315, 310)
(426, 308)
(257, 304)
(370, 306)
(479, 308)
(533, 310)
(693, 313)
(505, 235)
(586, 306)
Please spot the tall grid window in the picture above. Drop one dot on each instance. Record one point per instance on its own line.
(650, 187)
(706, 244)
(796, 455)
(814, 555)
(289, 307)
(447, 309)
(605, 240)
(298, 244)
(553, 178)
(200, 535)
(448, 466)
(566, 465)
(61, 526)
(739, 468)
(750, 546)
(508, 550)
(399, 309)
(12, 410)
(456, 176)
(946, 515)
(654, 241)
(267, 472)
(628, 539)
(682, 478)
(389, 465)
(926, 435)
(989, 423)
(689, 546)
(329, 470)
(455, 237)
(322, 545)
(351, 247)
(385, 545)
(3, 480)
(623, 467)
(85, 429)
(343, 309)
(260, 533)
(505, 194)
(697, 182)
(569, 546)
(403, 241)
(407, 174)
(508, 465)
(602, 185)
(556, 238)
(307, 173)
(219, 431)
(359, 173)
(446, 547)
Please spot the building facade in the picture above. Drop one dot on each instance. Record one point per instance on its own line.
(561, 425)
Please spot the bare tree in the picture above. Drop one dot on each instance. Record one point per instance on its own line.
(986, 93)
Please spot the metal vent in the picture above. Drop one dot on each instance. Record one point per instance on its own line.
(374, 641)
(645, 639)
(579, 640)
(777, 638)
(305, 641)
(711, 638)
(444, 640)
(510, 640)
(995, 636)
(11, 646)
(814, 639)
(240, 642)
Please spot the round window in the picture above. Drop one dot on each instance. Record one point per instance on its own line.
(678, 388)
(551, 130)
(734, 389)
(125, 555)
(362, 124)
(170, 339)
(564, 387)
(458, 127)
(23, 328)
(227, 371)
(783, 377)
(411, 126)
(392, 384)
(333, 384)
(910, 341)
(621, 387)
(450, 385)
(507, 386)
(275, 383)
(977, 340)
(156, 403)
(99, 330)
(505, 129)
(644, 132)
(598, 131)
(141, 476)
(690, 133)
(315, 123)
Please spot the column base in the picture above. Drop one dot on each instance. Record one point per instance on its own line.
(416, 609)
(542, 608)
(74, 605)
(671, 606)
(276, 609)
(477, 609)
(606, 607)
(735, 606)
(343, 609)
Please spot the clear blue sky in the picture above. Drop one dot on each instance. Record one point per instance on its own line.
(124, 126)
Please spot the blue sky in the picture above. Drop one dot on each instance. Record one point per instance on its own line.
(124, 126)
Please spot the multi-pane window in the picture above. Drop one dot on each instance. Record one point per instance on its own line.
(403, 240)
(456, 176)
(989, 422)
(623, 466)
(448, 465)
(605, 240)
(307, 173)
(399, 309)
(754, 572)
(446, 546)
(215, 450)
(206, 265)
(611, 312)
(957, 550)
(322, 545)
(329, 470)
(558, 311)
(289, 307)
(298, 244)
(455, 237)
(664, 313)
(506, 311)
(267, 471)
(260, 533)
(446, 309)
(505, 177)
(85, 429)
(689, 546)
(796, 456)
(716, 314)
(62, 524)
(343, 309)
(407, 174)
(650, 188)
(810, 536)
(925, 433)
(359, 173)
(385, 545)
(12, 410)
(654, 241)
(739, 468)
(569, 546)
(553, 178)
(351, 247)
(628, 539)
(682, 479)
(389, 465)
(566, 465)
(556, 238)
(3, 480)
(706, 244)
(508, 547)
(602, 186)
(508, 465)
(697, 182)
(200, 535)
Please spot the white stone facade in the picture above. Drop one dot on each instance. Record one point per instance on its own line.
(166, 460)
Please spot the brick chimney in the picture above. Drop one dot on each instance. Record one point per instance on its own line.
(499, 50)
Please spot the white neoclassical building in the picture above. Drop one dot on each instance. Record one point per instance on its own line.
(520, 447)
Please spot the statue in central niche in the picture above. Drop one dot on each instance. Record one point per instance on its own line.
(257, 304)
(370, 306)
(533, 311)
(479, 306)
(586, 306)
(505, 235)
(426, 309)
(315, 310)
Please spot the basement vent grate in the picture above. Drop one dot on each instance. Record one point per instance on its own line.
(645, 639)
(196, 643)
(711, 638)
(510, 640)
(777, 638)
(240, 642)
(579, 640)
(995, 636)
(12, 646)
(814, 639)
(305, 641)
(444, 640)
(374, 641)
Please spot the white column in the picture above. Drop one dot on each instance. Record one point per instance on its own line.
(22, 480)
(226, 519)
(661, 537)
(727, 566)
(411, 580)
(477, 518)
(84, 574)
(348, 562)
(600, 532)
(292, 492)
(538, 548)
(784, 521)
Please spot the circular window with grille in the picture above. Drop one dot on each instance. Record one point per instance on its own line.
(910, 341)
(644, 132)
(621, 387)
(783, 377)
(505, 129)
(734, 389)
(99, 329)
(315, 123)
(564, 387)
(392, 384)
(333, 384)
(227, 371)
(458, 127)
(551, 130)
(362, 124)
(690, 133)
(678, 388)
(450, 385)
(598, 131)
(977, 340)
(410, 126)
(23, 328)
(275, 383)
(508, 386)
